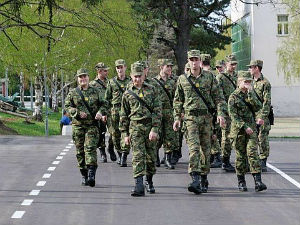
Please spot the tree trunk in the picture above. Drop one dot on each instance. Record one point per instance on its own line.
(22, 89)
(54, 94)
(38, 104)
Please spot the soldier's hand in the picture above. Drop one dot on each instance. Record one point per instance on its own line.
(98, 116)
(221, 120)
(214, 137)
(260, 121)
(249, 131)
(152, 136)
(127, 140)
(104, 119)
(176, 125)
(83, 115)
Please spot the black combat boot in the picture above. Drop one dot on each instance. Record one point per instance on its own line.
(139, 189)
(123, 162)
(195, 185)
(84, 178)
(259, 185)
(168, 164)
(227, 166)
(242, 183)
(119, 157)
(91, 175)
(157, 163)
(175, 157)
(217, 162)
(110, 150)
(103, 157)
(264, 165)
(162, 161)
(149, 184)
(204, 183)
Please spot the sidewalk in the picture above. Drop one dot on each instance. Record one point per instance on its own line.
(285, 127)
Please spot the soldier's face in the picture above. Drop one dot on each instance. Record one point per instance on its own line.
(137, 80)
(220, 69)
(245, 84)
(102, 73)
(253, 70)
(83, 80)
(194, 63)
(167, 69)
(231, 67)
(121, 70)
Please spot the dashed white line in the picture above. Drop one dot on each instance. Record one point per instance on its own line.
(47, 175)
(27, 202)
(284, 175)
(55, 162)
(59, 157)
(68, 146)
(51, 168)
(18, 214)
(41, 183)
(66, 150)
(35, 192)
(71, 144)
(63, 153)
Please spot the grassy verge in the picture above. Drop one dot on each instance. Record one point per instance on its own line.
(34, 128)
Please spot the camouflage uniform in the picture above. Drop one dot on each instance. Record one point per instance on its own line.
(113, 96)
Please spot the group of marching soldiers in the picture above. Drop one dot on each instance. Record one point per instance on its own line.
(215, 111)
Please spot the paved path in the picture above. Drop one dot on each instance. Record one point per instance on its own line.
(24, 161)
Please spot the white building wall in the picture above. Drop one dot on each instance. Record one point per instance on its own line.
(264, 44)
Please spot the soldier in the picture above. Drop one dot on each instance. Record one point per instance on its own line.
(205, 62)
(220, 66)
(166, 86)
(227, 83)
(86, 106)
(262, 88)
(198, 95)
(187, 68)
(242, 105)
(140, 119)
(100, 83)
(113, 95)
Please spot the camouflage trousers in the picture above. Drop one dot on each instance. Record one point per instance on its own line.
(86, 138)
(102, 131)
(115, 132)
(168, 137)
(226, 141)
(199, 131)
(246, 148)
(215, 144)
(143, 150)
(263, 141)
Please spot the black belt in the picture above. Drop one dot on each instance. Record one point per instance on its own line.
(143, 121)
(199, 112)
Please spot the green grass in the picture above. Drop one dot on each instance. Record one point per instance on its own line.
(36, 128)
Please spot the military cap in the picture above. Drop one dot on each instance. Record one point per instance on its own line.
(220, 63)
(120, 62)
(231, 59)
(82, 71)
(194, 53)
(205, 57)
(101, 65)
(144, 63)
(137, 69)
(246, 75)
(256, 63)
(187, 66)
(162, 62)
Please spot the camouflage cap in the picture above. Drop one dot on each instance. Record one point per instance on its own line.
(137, 69)
(231, 59)
(256, 63)
(205, 57)
(120, 62)
(194, 53)
(82, 71)
(187, 66)
(162, 62)
(144, 63)
(101, 65)
(220, 63)
(245, 75)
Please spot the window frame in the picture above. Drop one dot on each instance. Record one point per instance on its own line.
(283, 24)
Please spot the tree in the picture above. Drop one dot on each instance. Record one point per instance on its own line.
(182, 16)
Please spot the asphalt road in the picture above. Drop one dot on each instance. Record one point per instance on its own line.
(24, 161)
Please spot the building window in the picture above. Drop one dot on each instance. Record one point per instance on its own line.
(282, 25)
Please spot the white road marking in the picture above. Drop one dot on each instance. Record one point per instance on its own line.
(35, 192)
(18, 214)
(63, 153)
(55, 162)
(47, 175)
(41, 183)
(27, 202)
(71, 144)
(59, 157)
(284, 175)
(68, 146)
(51, 168)
(66, 150)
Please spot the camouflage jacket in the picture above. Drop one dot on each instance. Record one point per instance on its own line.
(187, 100)
(100, 85)
(226, 85)
(74, 105)
(132, 110)
(263, 89)
(241, 116)
(113, 95)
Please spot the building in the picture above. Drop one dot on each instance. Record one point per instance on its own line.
(257, 33)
